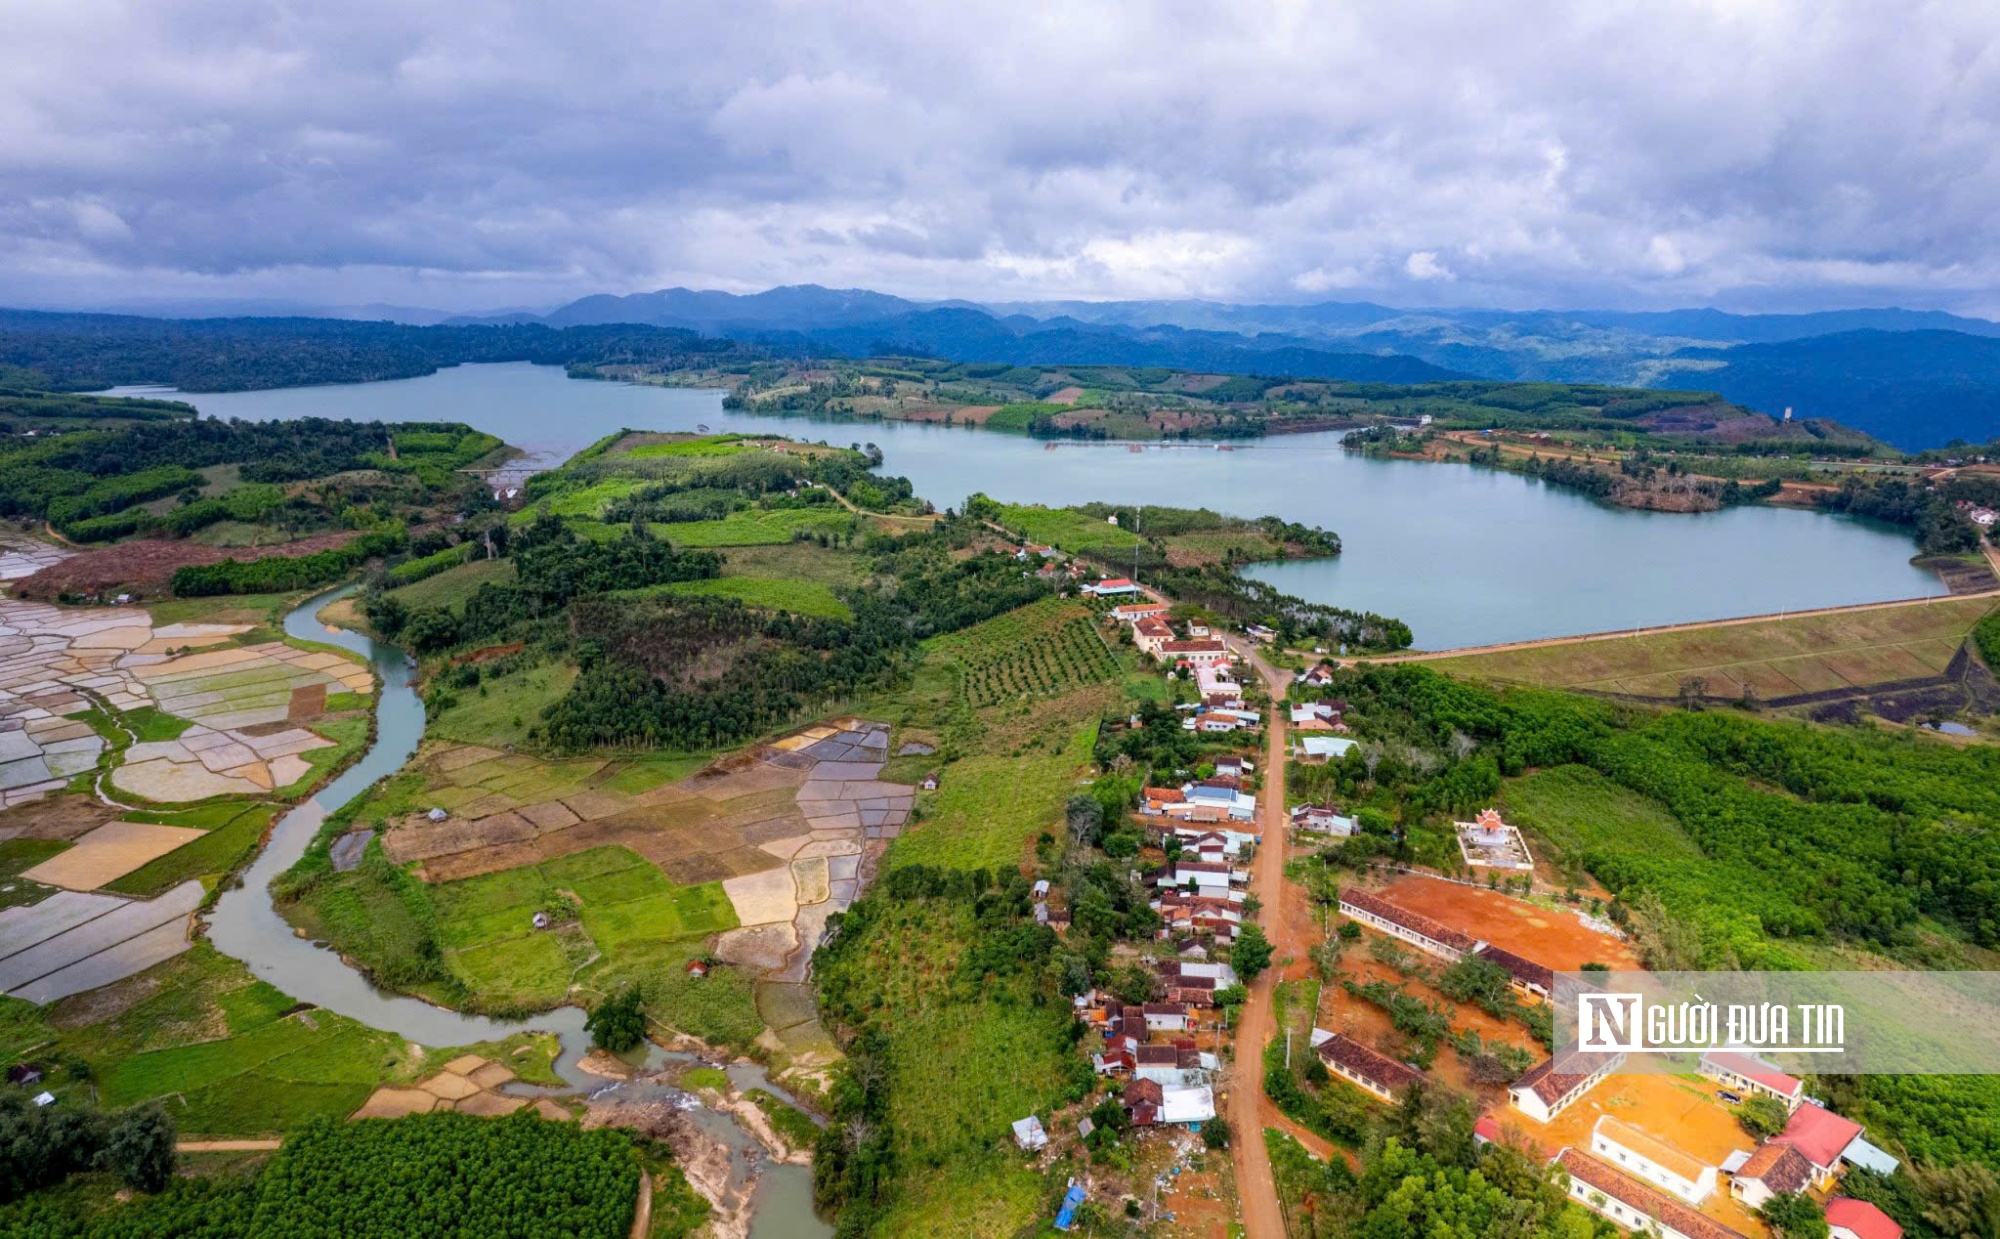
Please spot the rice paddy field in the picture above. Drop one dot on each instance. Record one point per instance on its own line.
(227, 1054)
(1774, 658)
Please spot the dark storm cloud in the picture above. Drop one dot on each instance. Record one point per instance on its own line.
(475, 155)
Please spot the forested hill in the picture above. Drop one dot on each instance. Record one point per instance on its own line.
(1915, 389)
(83, 352)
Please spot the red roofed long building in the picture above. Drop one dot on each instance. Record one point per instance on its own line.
(1557, 1082)
(1822, 1136)
(1374, 1073)
(1609, 1192)
(1848, 1218)
(1419, 931)
(1748, 1075)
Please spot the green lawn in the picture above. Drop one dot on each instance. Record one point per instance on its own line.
(453, 586)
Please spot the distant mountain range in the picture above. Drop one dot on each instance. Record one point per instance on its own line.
(1914, 378)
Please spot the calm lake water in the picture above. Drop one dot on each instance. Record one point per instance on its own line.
(1465, 556)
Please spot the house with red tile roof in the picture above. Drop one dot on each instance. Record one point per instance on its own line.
(1822, 1136)
(1109, 587)
(1848, 1218)
(1750, 1075)
(1557, 1082)
(1419, 931)
(1132, 612)
(1373, 1073)
(1531, 979)
(1775, 1169)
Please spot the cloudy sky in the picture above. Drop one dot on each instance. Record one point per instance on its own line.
(1747, 153)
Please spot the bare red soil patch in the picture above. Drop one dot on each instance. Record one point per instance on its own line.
(1553, 939)
(144, 567)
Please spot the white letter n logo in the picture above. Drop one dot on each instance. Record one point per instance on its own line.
(1608, 1021)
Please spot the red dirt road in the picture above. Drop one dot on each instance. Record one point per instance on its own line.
(1249, 1111)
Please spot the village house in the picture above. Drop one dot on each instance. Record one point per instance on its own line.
(1151, 635)
(1317, 677)
(1238, 804)
(1848, 1218)
(1260, 634)
(1221, 720)
(1187, 1107)
(1166, 1017)
(1750, 1076)
(1321, 820)
(1419, 931)
(1109, 587)
(1233, 767)
(1158, 801)
(1216, 682)
(1774, 1169)
(1036, 552)
(1610, 1193)
(1652, 1159)
(1373, 1073)
(1530, 979)
(1322, 748)
(1822, 1136)
(1133, 612)
(1203, 874)
(1141, 1100)
(1195, 652)
(1559, 1081)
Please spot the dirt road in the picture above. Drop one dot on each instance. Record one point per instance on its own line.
(1248, 1110)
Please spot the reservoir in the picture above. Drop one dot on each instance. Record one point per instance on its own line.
(1465, 556)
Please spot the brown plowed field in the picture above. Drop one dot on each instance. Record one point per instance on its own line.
(145, 566)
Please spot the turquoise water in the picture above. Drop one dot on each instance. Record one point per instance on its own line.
(1465, 556)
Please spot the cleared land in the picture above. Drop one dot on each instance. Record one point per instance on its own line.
(1553, 938)
(1775, 658)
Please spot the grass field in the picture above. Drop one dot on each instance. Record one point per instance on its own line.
(149, 724)
(1060, 527)
(1578, 810)
(804, 597)
(989, 807)
(757, 527)
(453, 586)
(1777, 658)
(499, 712)
(486, 923)
(796, 561)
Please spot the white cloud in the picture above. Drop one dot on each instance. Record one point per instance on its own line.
(1552, 151)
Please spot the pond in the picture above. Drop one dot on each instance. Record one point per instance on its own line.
(1465, 556)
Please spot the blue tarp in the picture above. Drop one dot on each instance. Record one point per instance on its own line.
(1067, 1218)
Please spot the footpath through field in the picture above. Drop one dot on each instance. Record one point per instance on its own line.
(1249, 1111)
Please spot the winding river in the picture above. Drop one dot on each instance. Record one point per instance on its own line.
(245, 926)
(1465, 556)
